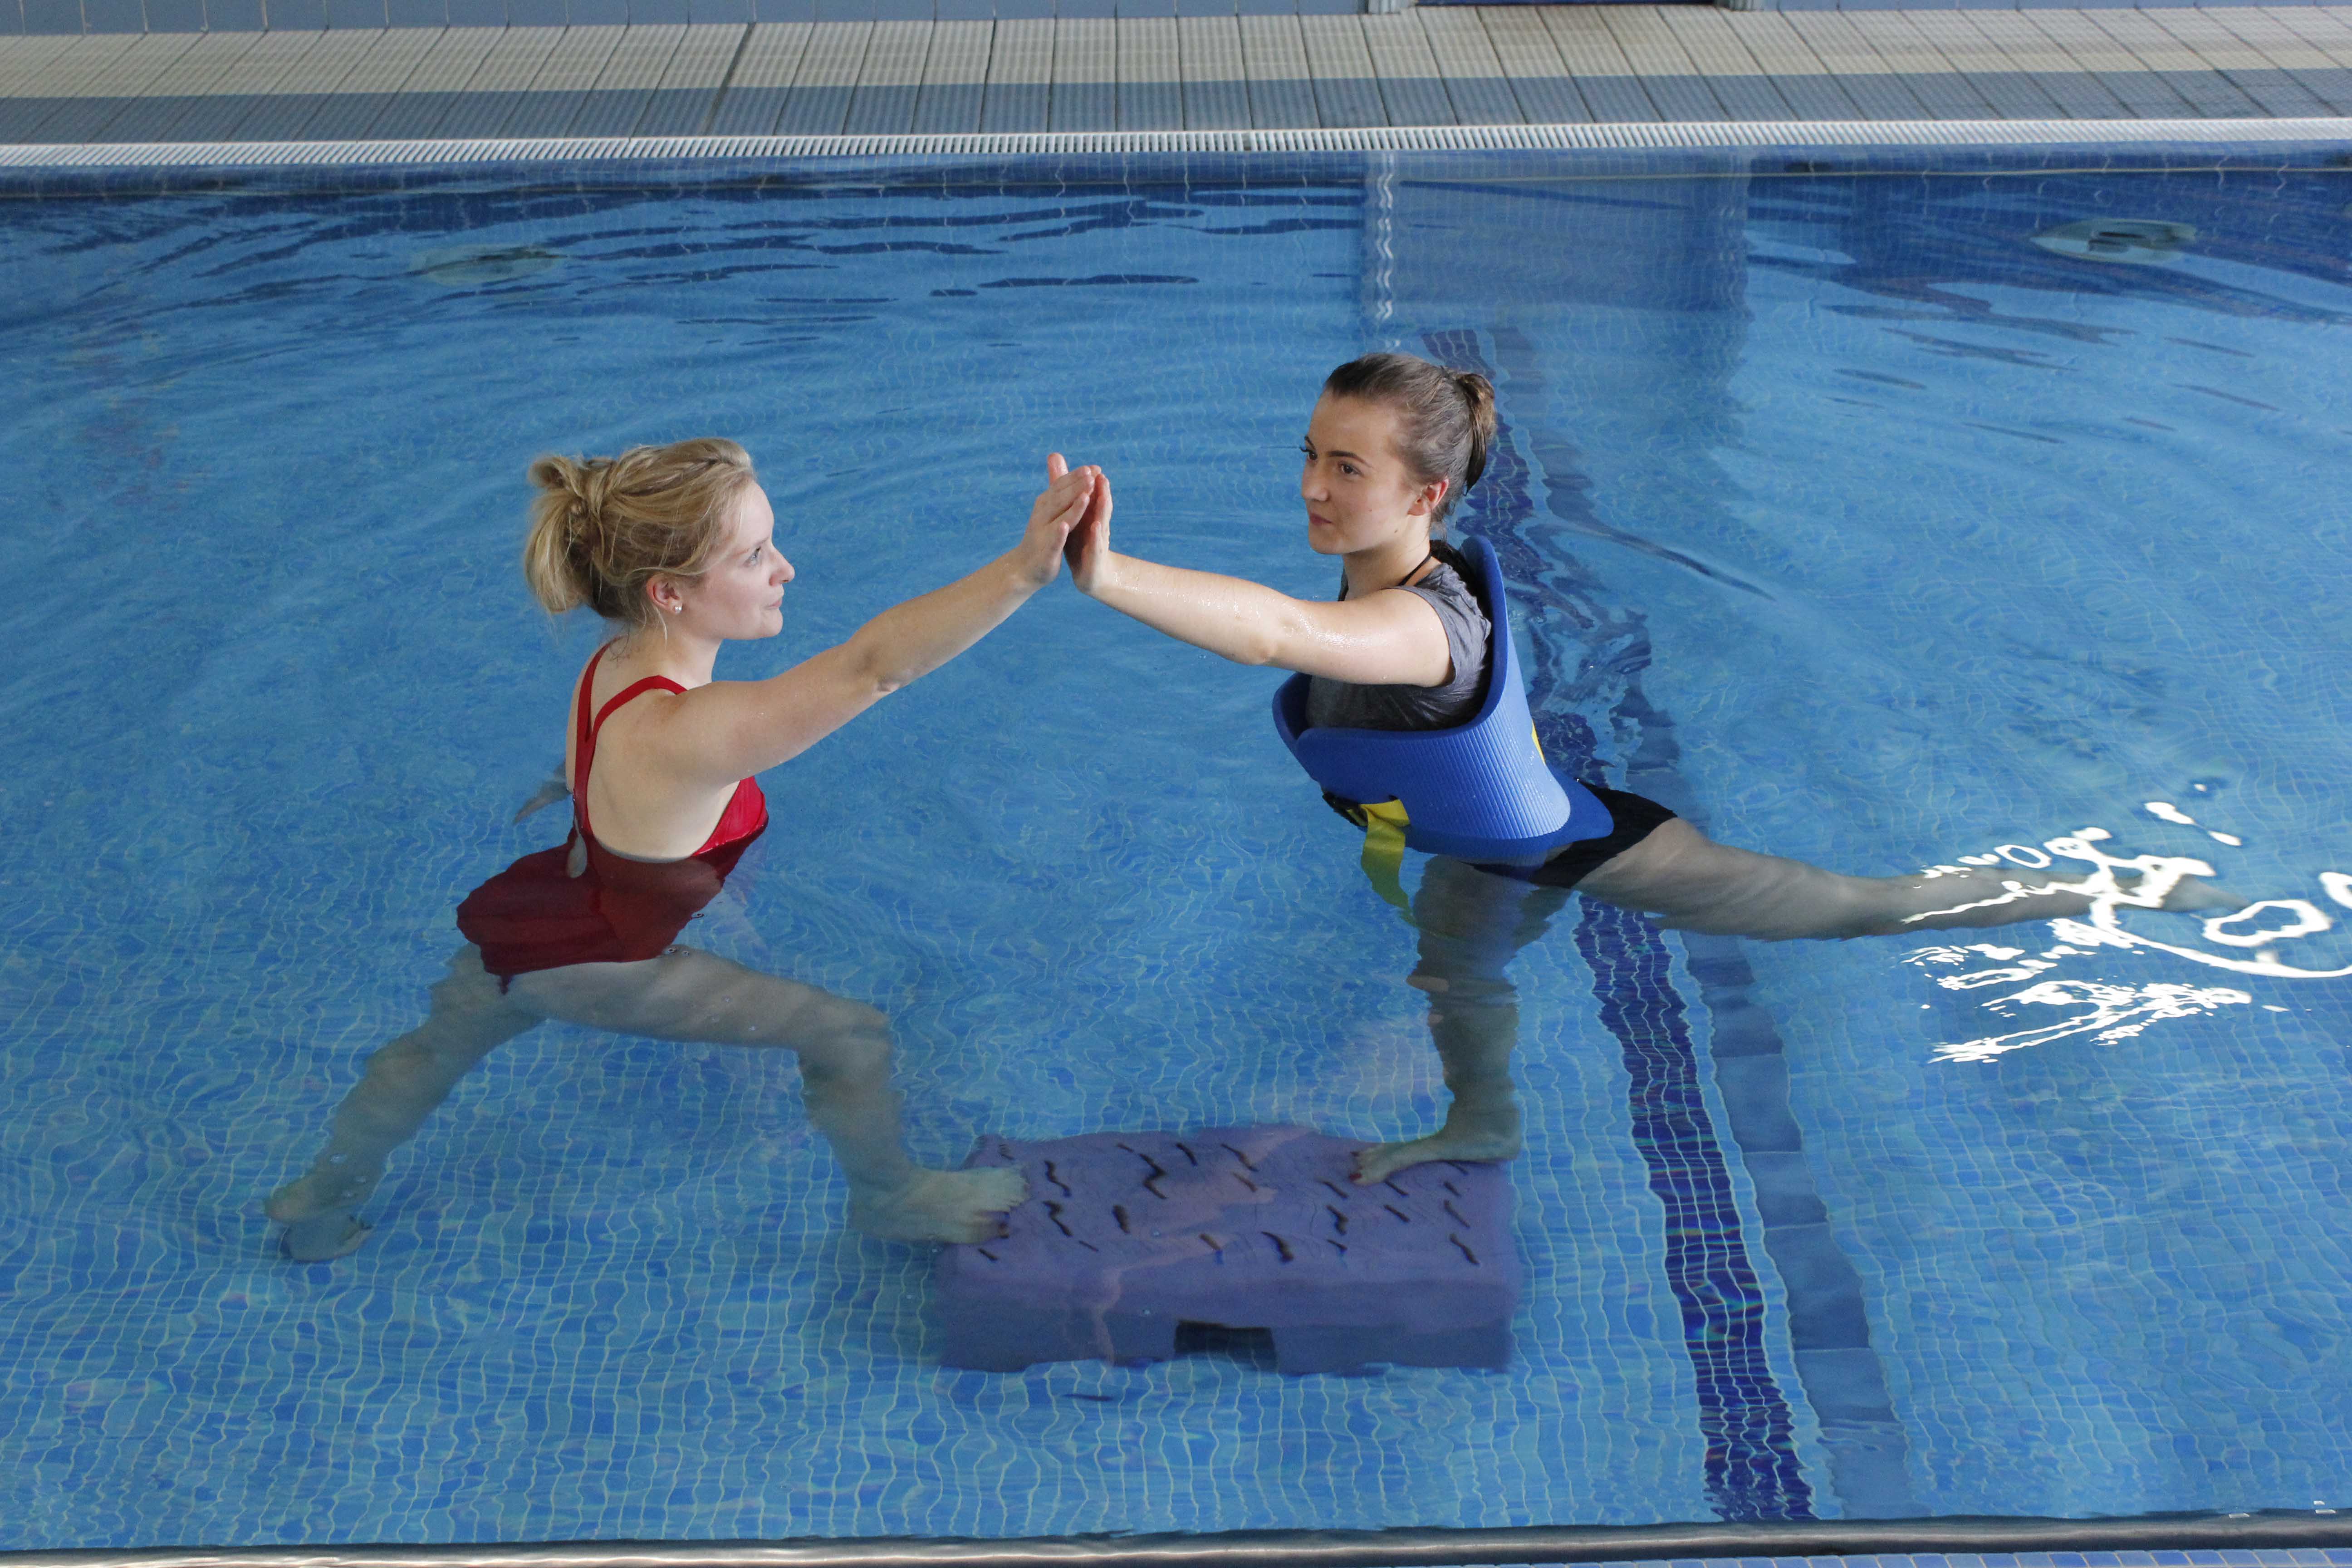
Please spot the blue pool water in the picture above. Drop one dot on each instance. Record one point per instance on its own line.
(1848, 519)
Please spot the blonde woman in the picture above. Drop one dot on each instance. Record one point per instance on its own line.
(675, 547)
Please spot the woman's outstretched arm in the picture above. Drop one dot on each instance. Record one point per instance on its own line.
(731, 730)
(1380, 639)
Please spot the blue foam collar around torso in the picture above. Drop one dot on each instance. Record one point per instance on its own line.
(1477, 791)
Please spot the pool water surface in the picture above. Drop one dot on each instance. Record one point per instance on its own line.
(1841, 517)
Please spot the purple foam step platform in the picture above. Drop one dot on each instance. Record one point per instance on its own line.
(1126, 1236)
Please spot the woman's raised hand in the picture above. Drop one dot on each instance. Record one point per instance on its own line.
(1089, 548)
(1059, 510)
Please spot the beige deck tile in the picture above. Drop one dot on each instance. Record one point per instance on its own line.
(1776, 44)
(2278, 55)
(2317, 27)
(578, 58)
(1709, 41)
(2248, 84)
(644, 53)
(1209, 49)
(701, 62)
(514, 60)
(1902, 46)
(1085, 49)
(1587, 47)
(2013, 38)
(26, 62)
(449, 62)
(2257, 27)
(837, 52)
(1459, 43)
(2078, 41)
(1965, 47)
(211, 58)
(1398, 45)
(2158, 49)
(2242, 43)
(1147, 50)
(1960, 41)
(895, 55)
(277, 58)
(121, 73)
(1275, 49)
(1335, 50)
(773, 55)
(1023, 55)
(329, 67)
(2121, 72)
(1649, 43)
(393, 59)
(1843, 49)
(1523, 45)
(958, 56)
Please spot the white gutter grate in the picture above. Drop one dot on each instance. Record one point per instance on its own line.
(1400, 139)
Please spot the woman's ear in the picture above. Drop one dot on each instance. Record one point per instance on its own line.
(1424, 503)
(663, 592)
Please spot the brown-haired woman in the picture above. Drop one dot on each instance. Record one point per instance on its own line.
(1392, 444)
(675, 547)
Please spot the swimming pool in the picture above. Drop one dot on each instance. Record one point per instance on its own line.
(1850, 521)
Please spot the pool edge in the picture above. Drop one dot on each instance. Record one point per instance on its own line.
(1573, 136)
(1324, 1548)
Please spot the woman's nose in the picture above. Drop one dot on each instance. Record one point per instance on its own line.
(785, 572)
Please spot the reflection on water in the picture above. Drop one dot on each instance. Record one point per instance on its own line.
(2247, 932)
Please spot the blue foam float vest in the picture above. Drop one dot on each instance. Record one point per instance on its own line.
(1480, 790)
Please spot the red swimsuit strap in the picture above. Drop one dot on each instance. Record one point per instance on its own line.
(583, 753)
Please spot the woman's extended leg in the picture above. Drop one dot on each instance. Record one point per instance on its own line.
(1472, 923)
(1693, 883)
(844, 1057)
(403, 1083)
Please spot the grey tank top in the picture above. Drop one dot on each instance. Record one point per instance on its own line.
(1343, 705)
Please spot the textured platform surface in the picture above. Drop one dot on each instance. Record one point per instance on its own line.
(1126, 1236)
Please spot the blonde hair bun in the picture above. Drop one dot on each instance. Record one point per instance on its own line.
(602, 528)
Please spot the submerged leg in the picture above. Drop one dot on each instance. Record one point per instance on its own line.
(1472, 923)
(845, 1058)
(403, 1083)
(1692, 883)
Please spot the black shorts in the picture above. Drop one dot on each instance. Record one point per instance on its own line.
(1635, 818)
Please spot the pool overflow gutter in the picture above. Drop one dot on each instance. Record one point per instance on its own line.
(1319, 1548)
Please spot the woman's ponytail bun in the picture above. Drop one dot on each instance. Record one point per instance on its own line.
(556, 557)
(1479, 397)
(601, 528)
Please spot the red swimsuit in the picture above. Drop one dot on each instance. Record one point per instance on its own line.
(538, 914)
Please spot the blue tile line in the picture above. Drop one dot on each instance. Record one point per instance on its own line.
(1829, 1321)
(1752, 1471)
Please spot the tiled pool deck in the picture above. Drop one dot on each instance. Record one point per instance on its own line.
(1503, 64)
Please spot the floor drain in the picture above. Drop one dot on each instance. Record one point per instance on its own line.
(470, 265)
(2137, 241)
